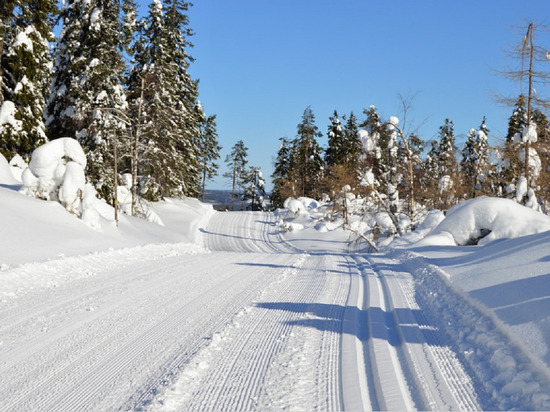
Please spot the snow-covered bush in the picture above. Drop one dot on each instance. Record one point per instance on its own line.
(294, 205)
(482, 220)
(56, 172)
(124, 197)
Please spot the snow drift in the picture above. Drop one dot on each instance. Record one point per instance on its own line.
(483, 220)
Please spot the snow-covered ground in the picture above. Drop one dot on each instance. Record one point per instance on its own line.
(225, 311)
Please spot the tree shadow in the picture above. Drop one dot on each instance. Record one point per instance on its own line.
(274, 266)
(371, 323)
(12, 187)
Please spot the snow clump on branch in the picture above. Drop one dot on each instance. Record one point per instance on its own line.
(393, 121)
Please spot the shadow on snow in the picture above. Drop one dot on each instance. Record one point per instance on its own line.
(330, 318)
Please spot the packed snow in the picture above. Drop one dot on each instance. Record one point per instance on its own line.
(257, 310)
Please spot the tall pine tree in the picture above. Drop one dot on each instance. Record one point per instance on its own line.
(281, 177)
(163, 100)
(237, 173)
(87, 97)
(475, 164)
(352, 143)
(25, 62)
(336, 151)
(448, 165)
(308, 156)
(209, 150)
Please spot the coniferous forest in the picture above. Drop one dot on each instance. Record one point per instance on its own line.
(118, 84)
(405, 175)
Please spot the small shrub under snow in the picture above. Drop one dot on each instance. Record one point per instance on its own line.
(56, 172)
(482, 220)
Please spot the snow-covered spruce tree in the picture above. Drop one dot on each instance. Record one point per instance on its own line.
(468, 164)
(370, 139)
(429, 187)
(448, 165)
(188, 166)
(254, 189)
(389, 177)
(476, 166)
(352, 143)
(308, 166)
(7, 11)
(522, 134)
(163, 100)
(87, 99)
(379, 151)
(510, 163)
(237, 174)
(281, 177)
(335, 153)
(336, 158)
(342, 154)
(409, 169)
(209, 150)
(486, 172)
(25, 74)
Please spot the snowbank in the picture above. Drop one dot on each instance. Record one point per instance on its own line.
(483, 220)
(34, 230)
(6, 176)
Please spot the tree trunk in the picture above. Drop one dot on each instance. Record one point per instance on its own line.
(115, 178)
(529, 99)
(203, 179)
(135, 150)
(3, 25)
(233, 188)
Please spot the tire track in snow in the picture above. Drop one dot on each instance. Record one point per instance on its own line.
(437, 376)
(383, 356)
(506, 377)
(240, 232)
(407, 364)
(90, 294)
(269, 357)
(85, 364)
(250, 342)
(448, 375)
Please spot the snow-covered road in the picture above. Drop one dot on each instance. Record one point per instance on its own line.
(255, 324)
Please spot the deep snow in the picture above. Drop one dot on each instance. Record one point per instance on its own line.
(487, 304)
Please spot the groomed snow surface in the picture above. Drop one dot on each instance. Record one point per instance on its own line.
(226, 311)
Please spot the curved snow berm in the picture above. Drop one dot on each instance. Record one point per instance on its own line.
(483, 220)
(512, 377)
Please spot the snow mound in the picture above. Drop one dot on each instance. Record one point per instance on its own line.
(483, 220)
(309, 203)
(6, 176)
(294, 205)
(56, 172)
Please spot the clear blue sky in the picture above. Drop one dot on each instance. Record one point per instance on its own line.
(262, 62)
